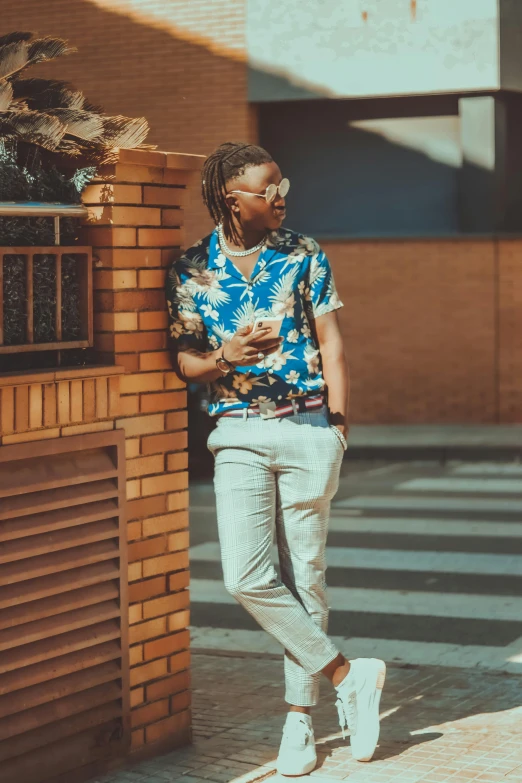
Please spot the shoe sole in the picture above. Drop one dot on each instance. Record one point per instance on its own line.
(309, 768)
(379, 685)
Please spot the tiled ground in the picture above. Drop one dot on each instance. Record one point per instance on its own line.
(438, 726)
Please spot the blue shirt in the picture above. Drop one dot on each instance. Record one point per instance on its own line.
(209, 300)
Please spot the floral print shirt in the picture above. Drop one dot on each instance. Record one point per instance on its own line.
(209, 300)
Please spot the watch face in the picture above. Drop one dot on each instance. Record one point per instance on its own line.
(223, 365)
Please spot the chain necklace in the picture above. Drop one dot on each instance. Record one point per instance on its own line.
(230, 252)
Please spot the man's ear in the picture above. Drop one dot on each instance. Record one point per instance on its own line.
(232, 203)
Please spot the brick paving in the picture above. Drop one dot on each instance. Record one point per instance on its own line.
(439, 725)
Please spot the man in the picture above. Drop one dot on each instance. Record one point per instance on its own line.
(280, 392)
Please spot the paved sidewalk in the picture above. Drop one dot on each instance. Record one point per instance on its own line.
(439, 725)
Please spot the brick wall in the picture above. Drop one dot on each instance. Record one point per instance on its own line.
(192, 90)
(135, 228)
(432, 329)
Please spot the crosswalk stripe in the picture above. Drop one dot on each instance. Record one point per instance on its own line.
(476, 486)
(488, 468)
(397, 560)
(345, 599)
(506, 659)
(419, 503)
(429, 527)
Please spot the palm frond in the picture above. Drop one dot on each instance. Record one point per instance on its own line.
(15, 37)
(48, 48)
(125, 132)
(13, 57)
(45, 94)
(35, 128)
(6, 95)
(81, 124)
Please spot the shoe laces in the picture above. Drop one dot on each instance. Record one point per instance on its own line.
(347, 711)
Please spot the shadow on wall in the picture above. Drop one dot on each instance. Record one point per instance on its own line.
(139, 70)
(351, 182)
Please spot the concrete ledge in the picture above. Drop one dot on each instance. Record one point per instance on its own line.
(436, 442)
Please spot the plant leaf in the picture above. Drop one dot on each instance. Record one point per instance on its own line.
(82, 124)
(13, 57)
(48, 94)
(124, 132)
(15, 37)
(6, 95)
(35, 128)
(48, 48)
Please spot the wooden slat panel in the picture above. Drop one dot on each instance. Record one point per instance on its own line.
(43, 736)
(35, 405)
(57, 540)
(44, 586)
(76, 401)
(59, 667)
(57, 604)
(33, 524)
(64, 664)
(44, 347)
(21, 408)
(64, 403)
(50, 409)
(66, 643)
(114, 396)
(58, 688)
(63, 708)
(89, 399)
(61, 757)
(30, 299)
(11, 573)
(35, 474)
(58, 326)
(53, 626)
(8, 424)
(59, 498)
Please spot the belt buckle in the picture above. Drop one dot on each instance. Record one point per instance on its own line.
(267, 410)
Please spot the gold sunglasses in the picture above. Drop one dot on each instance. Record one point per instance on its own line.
(271, 191)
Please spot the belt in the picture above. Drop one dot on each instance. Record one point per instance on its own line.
(269, 410)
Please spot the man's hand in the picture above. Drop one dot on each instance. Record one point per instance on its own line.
(242, 349)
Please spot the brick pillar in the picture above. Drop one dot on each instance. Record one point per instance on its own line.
(136, 225)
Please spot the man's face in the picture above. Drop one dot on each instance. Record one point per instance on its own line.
(252, 211)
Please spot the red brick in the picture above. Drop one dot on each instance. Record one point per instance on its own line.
(139, 425)
(105, 236)
(141, 591)
(172, 217)
(141, 382)
(172, 381)
(137, 739)
(140, 550)
(168, 727)
(136, 654)
(127, 301)
(145, 466)
(151, 278)
(128, 258)
(177, 421)
(177, 461)
(169, 686)
(139, 509)
(166, 523)
(150, 713)
(137, 695)
(181, 701)
(152, 444)
(179, 662)
(168, 482)
(129, 405)
(165, 563)
(166, 604)
(179, 581)
(178, 620)
(178, 541)
(130, 173)
(164, 196)
(167, 645)
(134, 530)
(155, 320)
(140, 341)
(109, 194)
(157, 237)
(177, 500)
(148, 630)
(128, 360)
(132, 216)
(160, 360)
(165, 401)
(148, 672)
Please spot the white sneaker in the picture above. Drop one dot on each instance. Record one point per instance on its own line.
(358, 698)
(297, 754)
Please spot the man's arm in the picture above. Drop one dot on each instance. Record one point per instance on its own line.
(335, 368)
(197, 367)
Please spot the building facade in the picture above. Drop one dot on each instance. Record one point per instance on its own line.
(398, 123)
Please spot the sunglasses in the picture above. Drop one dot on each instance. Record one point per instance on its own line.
(271, 192)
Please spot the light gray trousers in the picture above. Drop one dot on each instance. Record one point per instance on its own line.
(279, 475)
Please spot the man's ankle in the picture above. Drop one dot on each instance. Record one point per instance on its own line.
(303, 710)
(340, 673)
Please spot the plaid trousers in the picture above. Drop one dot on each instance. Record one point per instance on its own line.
(279, 476)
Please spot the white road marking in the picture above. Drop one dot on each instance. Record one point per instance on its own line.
(475, 486)
(397, 560)
(339, 523)
(407, 502)
(402, 602)
(506, 659)
(489, 469)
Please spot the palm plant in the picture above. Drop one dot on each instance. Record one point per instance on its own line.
(52, 140)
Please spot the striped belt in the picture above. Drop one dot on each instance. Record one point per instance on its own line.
(269, 410)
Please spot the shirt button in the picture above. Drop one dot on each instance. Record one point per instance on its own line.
(280, 397)
(270, 372)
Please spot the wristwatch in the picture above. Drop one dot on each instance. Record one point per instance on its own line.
(223, 365)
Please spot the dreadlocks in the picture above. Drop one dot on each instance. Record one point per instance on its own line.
(228, 161)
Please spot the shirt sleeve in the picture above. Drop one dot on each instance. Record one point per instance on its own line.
(187, 330)
(323, 293)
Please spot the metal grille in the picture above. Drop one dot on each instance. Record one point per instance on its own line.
(64, 683)
(45, 298)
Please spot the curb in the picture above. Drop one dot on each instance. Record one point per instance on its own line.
(442, 454)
